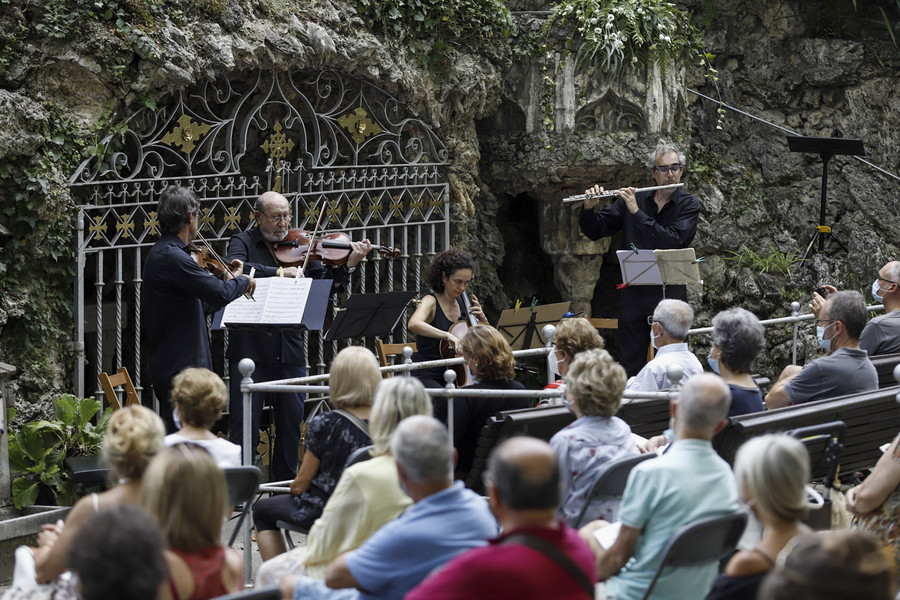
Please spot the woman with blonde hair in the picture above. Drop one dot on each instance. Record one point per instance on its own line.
(771, 472)
(573, 335)
(490, 360)
(330, 440)
(368, 494)
(594, 387)
(199, 396)
(134, 435)
(184, 490)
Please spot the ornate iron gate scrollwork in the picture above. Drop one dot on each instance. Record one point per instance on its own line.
(313, 136)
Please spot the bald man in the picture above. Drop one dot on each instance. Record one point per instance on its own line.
(278, 352)
(524, 494)
(881, 335)
(688, 483)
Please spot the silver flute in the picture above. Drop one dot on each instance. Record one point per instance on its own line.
(613, 193)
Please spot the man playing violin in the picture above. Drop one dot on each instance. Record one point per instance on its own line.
(660, 219)
(178, 294)
(278, 352)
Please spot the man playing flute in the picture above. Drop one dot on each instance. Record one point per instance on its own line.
(660, 219)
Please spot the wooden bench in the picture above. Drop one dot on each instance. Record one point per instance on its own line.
(541, 423)
(645, 417)
(885, 364)
(872, 419)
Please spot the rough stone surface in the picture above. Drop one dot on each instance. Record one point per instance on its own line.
(20, 124)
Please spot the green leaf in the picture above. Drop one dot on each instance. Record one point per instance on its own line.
(64, 409)
(24, 492)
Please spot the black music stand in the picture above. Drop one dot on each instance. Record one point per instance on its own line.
(369, 314)
(826, 148)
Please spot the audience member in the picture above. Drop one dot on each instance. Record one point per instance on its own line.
(573, 335)
(771, 472)
(368, 494)
(199, 396)
(687, 483)
(490, 359)
(845, 368)
(881, 335)
(445, 520)
(522, 482)
(584, 448)
(831, 565)
(118, 553)
(134, 435)
(185, 491)
(737, 339)
(876, 501)
(331, 439)
(669, 326)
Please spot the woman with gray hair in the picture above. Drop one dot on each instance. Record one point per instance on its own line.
(736, 341)
(771, 472)
(593, 392)
(368, 494)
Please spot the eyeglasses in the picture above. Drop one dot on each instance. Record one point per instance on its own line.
(880, 278)
(650, 320)
(664, 169)
(824, 322)
(276, 218)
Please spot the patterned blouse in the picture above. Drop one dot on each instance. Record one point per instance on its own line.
(583, 449)
(332, 438)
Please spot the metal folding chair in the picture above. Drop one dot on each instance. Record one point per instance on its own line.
(241, 484)
(610, 484)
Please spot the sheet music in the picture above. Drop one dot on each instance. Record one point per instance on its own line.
(606, 536)
(679, 266)
(639, 268)
(278, 301)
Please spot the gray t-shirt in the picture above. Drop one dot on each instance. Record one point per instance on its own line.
(881, 335)
(845, 371)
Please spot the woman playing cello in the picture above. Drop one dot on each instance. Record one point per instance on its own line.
(449, 275)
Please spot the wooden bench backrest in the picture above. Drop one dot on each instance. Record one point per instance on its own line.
(541, 423)
(645, 417)
(872, 418)
(884, 364)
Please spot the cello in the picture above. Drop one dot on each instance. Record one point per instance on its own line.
(459, 329)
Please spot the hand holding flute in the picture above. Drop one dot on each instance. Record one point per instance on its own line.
(592, 196)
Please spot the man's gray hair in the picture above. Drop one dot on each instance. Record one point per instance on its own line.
(740, 336)
(849, 308)
(421, 445)
(664, 149)
(675, 316)
(703, 403)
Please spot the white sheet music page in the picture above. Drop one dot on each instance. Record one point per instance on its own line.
(286, 300)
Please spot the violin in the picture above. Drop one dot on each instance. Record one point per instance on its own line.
(207, 261)
(330, 248)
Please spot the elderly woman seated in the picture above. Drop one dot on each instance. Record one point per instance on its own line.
(573, 335)
(593, 392)
(737, 339)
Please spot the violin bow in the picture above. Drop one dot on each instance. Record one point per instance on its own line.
(215, 255)
(312, 240)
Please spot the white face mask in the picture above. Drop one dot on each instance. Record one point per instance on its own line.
(820, 336)
(653, 339)
(553, 363)
(876, 291)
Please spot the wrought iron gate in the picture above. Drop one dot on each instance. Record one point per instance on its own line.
(317, 137)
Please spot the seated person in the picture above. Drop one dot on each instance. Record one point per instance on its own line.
(737, 339)
(200, 396)
(831, 565)
(881, 335)
(185, 491)
(445, 520)
(523, 490)
(585, 447)
(118, 553)
(876, 501)
(490, 359)
(688, 483)
(330, 440)
(771, 472)
(368, 494)
(573, 335)
(845, 368)
(669, 326)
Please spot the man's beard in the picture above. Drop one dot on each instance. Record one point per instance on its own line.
(274, 236)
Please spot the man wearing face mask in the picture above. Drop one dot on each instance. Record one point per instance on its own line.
(881, 335)
(278, 352)
(669, 325)
(845, 368)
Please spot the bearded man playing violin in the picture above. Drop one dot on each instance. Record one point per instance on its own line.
(278, 352)
(178, 294)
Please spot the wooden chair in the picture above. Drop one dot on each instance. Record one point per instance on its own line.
(110, 383)
(387, 350)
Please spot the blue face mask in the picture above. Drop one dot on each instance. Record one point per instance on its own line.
(876, 291)
(820, 335)
(713, 364)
